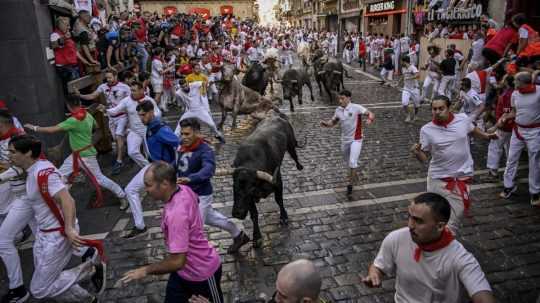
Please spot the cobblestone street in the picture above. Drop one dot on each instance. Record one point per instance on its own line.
(342, 237)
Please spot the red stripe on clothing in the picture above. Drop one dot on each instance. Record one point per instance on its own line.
(358, 130)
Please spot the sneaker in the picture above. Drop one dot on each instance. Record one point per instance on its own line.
(494, 173)
(349, 192)
(99, 278)
(238, 242)
(535, 199)
(135, 232)
(117, 166)
(508, 191)
(16, 295)
(408, 119)
(124, 204)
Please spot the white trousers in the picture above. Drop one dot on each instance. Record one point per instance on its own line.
(408, 95)
(91, 162)
(201, 115)
(454, 198)
(445, 86)
(347, 55)
(351, 152)
(13, 223)
(52, 253)
(428, 82)
(386, 74)
(496, 149)
(532, 143)
(134, 189)
(118, 125)
(134, 143)
(514, 152)
(214, 218)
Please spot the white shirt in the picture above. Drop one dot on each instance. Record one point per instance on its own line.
(523, 33)
(449, 148)
(114, 94)
(129, 106)
(42, 213)
(471, 101)
(255, 54)
(407, 73)
(350, 119)
(193, 99)
(477, 47)
(527, 107)
(405, 42)
(83, 5)
(437, 277)
(157, 69)
(476, 83)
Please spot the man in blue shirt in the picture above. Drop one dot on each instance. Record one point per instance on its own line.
(162, 143)
(195, 167)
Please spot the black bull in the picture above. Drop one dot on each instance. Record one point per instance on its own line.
(257, 169)
(330, 74)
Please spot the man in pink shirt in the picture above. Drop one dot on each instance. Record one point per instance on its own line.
(193, 263)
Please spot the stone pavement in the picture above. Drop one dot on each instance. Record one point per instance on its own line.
(341, 237)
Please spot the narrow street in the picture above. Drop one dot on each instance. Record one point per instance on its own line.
(342, 237)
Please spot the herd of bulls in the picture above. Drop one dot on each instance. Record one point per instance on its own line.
(256, 169)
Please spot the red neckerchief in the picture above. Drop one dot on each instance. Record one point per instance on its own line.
(11, 132)
(444, 123)
(113, 85)
(79, 113)
(527, 89)
(192, 147)
(446, 238)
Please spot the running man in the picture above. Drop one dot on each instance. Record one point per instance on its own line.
(79, 128)
(191, 94)
(114, 91)
(349, 116)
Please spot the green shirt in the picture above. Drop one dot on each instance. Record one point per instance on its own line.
(80, 134)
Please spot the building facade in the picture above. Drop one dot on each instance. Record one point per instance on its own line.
(240, 8)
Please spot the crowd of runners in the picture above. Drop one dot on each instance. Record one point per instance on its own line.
(153, 62)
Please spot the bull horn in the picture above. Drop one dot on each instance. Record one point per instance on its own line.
(337, 72)
(265, 176)
(224, 172)
(321, 72)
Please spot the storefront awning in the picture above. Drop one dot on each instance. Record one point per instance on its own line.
(397, 11)
(204, 12)
(226, 10)
(170, 10)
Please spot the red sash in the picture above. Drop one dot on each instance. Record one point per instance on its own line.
(43, 184)
(446, 238)
(461, 184)
(79, 164)
(516, 131)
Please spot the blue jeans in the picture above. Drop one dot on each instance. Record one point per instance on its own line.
(142, 53)
(68, 73)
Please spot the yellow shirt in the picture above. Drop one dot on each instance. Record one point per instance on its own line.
(200, 77)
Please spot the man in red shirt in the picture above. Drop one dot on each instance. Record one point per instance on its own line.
(499, 45)
(140, 31)
(65, 52)
(504, 129)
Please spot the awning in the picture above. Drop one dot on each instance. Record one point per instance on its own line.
(170, 10)
(204, 12)
(226, 10)
(397, 11)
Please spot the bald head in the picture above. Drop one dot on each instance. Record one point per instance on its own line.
(523, 78)
(300, 280)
